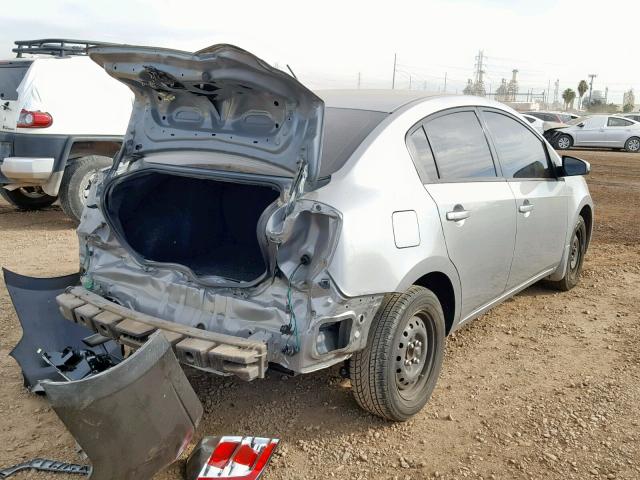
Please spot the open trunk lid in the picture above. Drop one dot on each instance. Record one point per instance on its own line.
(221, 99)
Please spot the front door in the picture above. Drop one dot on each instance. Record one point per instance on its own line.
(541, 198)
(591, 133)
(476, 206)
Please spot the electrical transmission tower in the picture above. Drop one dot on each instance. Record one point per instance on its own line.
(478, 86)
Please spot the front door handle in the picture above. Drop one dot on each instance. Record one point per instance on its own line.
(526, 207)
(458, 213)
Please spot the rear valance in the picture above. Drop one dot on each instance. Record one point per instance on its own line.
(220, 99)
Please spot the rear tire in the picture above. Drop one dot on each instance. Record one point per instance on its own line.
(394, 376)
(27, 198)
(564, 142)
(632, 145)
(577, 249)
(76, 182)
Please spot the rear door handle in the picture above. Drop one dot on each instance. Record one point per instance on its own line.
(525, 207)
(458, 213)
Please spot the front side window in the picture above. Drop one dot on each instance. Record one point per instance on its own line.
(618, 122)
(520, 152)
(422, 156)
(460, 147)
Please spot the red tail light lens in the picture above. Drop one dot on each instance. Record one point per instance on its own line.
(233, 458)
(38, 119)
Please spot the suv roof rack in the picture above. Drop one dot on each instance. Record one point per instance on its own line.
(59, 47)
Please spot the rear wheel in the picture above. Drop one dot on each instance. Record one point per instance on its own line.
(394, 376)
(577, 249)
(632, 145)
(564, 142)
(76, 182)
(27, 198)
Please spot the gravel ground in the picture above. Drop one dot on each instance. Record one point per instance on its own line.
(545, 386)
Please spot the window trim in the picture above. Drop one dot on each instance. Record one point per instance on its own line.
(552, 167)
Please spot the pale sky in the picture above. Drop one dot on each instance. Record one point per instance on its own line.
(329, 44)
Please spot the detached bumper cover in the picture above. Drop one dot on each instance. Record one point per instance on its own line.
(34, 300)
(134, 419)
(215, 352)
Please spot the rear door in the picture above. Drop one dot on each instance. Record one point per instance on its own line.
(541, 198)
(618, 130)
(476, 205)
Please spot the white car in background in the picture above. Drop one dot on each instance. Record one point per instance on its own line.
(609, 131)
(535, 122)
(62, 118)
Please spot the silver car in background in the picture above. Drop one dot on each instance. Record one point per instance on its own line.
(608, 131)
(258, 224)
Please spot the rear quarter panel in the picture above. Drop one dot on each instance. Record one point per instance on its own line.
(377, 181)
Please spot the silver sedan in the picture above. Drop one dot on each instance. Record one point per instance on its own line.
(597, 131)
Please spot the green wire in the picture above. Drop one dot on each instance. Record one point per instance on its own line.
(293, 322)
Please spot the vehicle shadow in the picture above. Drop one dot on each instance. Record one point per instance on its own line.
(305, 407)
(48, 219)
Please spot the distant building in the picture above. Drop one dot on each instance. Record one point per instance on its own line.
(629, 99)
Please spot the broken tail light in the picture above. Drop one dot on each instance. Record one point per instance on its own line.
(34, 119)
(230, 457)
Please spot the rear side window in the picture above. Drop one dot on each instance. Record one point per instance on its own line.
(344, 130)
(422, 156)
(520, 152)
(11, 74)
(618, 122)
(460, 147)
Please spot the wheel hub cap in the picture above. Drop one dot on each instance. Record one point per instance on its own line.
(634, 145)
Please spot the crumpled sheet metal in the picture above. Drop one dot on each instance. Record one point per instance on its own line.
(134, 419)
(34, 300)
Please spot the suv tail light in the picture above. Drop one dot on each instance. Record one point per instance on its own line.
(38, 119)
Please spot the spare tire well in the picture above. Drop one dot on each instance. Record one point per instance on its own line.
(442, 287)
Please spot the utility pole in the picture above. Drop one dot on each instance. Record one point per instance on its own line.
(393, 81)
(606, 94)
(445, 82)
(591, 77)
(358, 80)
(556, 88)
(409, 82)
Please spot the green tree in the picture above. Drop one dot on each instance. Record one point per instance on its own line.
(583, 86)
(627, 108)
(568, 96)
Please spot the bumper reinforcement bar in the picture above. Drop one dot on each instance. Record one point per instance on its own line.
(215, 352)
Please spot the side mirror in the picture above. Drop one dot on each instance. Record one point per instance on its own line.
(572, 166)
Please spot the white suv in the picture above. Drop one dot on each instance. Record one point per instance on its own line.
(61, 119)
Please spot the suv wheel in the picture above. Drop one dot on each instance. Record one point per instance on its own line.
(27, 198)
(632, 145)
(393, 377)
(76, 183)
(564, 142)
(577, 249)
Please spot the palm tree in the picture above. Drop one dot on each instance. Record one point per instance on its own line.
(583, 86)
(568, 96)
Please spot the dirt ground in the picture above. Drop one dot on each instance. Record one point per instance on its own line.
(545, 386)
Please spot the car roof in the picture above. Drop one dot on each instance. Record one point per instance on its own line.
(386, 101)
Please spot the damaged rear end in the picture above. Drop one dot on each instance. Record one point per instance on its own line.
(206, 227)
